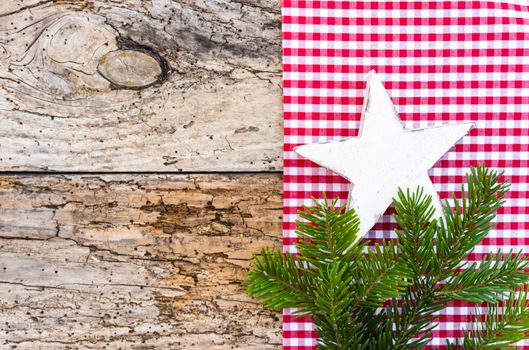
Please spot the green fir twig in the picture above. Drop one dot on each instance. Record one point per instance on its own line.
(388, 295)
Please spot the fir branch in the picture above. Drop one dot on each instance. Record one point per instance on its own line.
(504, 324)
(382, 275)
(489, 281)
(414, 216)
(413, 321)
(344, 285)
(381, 335)
(334, 295)
(279, 283)
(329, 234)
(462, 229)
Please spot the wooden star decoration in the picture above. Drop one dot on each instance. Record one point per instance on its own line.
(384, 156)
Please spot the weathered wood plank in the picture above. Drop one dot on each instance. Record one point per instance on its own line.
(143, 262)
(140, 85)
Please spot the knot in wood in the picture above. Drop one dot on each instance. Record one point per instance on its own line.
(130, 69)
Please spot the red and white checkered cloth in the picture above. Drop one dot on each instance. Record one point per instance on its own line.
(441, 62)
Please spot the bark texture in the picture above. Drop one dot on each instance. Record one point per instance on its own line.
(135, 262)
(135, 85)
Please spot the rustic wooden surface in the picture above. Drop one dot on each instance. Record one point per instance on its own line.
(190, 85)
(135, 262)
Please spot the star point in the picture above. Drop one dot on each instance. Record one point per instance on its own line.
(384, 156)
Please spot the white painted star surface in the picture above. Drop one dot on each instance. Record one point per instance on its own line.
(384, 156)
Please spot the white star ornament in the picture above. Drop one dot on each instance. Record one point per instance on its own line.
(384, 156)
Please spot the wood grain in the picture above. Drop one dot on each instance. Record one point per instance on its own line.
(135, 262)
(133, 85)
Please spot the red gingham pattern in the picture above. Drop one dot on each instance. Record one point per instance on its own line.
(441, 62)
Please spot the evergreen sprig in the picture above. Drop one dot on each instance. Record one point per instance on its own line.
(504, 324)
(388, 295)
